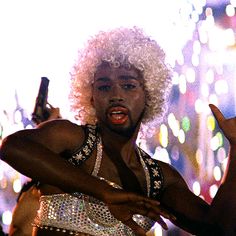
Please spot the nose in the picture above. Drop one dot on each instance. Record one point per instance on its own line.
(116, 95)
(116, 99)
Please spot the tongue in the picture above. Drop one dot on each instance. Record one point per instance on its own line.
(118, 118)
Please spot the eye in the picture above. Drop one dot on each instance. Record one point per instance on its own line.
(104, 88)
(129, 86)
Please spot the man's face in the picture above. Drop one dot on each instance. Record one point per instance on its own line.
(118, 98)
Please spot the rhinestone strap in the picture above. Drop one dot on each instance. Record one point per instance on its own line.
(98, 158)
(147, 175)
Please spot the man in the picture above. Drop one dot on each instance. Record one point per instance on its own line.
(95, 180)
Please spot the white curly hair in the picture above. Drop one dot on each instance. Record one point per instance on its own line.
(119, 47)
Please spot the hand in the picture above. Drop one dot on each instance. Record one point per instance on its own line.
(54, 112)
(48, 113)
(228, 126)
(123, 205)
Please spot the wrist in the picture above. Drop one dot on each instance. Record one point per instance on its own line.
(103, 190)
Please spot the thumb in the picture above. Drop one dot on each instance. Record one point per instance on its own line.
(217, 114)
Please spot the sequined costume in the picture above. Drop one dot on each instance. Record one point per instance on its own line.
(80, 213)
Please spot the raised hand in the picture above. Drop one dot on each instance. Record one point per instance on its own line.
(54, 112)
(228, 126)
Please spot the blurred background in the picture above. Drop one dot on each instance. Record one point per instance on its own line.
(41, 38)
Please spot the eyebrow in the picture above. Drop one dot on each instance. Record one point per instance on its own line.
(127, 77)
(102, 79)
(122, 77)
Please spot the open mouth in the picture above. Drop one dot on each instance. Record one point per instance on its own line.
(118, 115)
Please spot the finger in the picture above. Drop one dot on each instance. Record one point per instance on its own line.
(138, 230)
(156, 207)
(162, 223)
(147, 204)
(148, 210)
(157, 218)
(217, 113)
(146, 201)
(50, 106)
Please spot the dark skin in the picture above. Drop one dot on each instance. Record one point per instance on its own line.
(119, 127)
(28, 202)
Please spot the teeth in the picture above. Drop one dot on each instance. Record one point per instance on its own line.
(116, 112)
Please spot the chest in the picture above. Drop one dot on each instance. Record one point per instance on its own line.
(142, 170)
(122, 174)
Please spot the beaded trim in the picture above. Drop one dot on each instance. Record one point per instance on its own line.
(60, 230)
(154, 176)
(85, 151)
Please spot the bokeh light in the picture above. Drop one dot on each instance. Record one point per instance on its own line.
(199, 44)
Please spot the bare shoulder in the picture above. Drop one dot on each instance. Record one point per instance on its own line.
(171, 175)
(65, 132)
(57, 135)
(60, 126)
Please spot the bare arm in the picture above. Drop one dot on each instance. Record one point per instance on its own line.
(193, 214)
(189, 209)
(223, 207)
(36, 153)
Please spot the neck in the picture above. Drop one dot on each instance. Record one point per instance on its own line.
(118, 142)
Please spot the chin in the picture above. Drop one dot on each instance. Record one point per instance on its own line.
(124, 130)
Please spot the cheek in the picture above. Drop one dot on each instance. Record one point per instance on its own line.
(141, 100)
(95, 99)
(142, 105)
(98, 103)
(138, 105)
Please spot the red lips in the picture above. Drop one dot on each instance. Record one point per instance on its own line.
(118, 115)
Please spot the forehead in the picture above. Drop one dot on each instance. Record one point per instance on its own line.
(106, 70)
